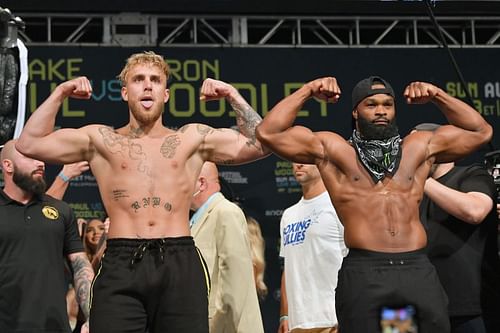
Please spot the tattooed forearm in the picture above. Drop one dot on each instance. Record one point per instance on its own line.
(246, 119)
(82, 280)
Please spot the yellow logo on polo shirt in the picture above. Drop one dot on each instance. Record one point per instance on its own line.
(50, 212)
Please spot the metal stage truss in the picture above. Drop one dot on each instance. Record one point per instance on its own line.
(135, 29)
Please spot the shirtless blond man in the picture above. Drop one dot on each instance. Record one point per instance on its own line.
(152, 276)
(376, 182)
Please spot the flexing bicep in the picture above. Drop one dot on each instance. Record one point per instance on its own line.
(60, 147)
(228, 146)
(450, 143)
(297, 144)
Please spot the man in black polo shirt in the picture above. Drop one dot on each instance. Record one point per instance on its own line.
(36, 233)
(457, 212)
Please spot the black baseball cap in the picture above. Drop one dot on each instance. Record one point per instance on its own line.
(363, 89)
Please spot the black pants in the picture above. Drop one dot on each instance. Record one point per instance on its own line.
(158, 285)
(369, 281)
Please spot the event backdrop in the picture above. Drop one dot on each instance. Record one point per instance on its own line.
(263, 76)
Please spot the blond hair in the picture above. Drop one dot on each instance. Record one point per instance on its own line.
(146, 57)
(257, 247)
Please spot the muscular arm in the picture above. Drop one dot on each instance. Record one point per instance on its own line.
(449, 143)
(38, 140)
(296, 143)
(470, 207)
(82, 279)
(246, 118)
(228, 146)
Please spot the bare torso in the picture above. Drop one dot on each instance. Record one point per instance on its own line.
(383, 216)
(146, 183)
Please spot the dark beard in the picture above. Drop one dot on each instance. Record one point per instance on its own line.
(371, 131)
(27, 183)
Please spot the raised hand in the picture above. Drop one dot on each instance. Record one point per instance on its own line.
(214, 89)
(75, 169)
(420, 92)
(78, 88)
(326, 89)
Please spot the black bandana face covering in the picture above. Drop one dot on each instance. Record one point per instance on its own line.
(379, 157)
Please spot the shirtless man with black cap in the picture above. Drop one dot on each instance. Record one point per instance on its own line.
(376, 181)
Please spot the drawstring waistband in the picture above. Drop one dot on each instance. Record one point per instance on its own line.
(148, 245)
(138, 247)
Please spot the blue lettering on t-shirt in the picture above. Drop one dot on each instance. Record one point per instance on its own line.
(295, 233)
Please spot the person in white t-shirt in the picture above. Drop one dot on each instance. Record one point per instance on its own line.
(312, 245)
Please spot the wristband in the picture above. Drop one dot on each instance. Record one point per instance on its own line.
(284, 317)
(63, 177)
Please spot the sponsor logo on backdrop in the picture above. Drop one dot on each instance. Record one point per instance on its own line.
(88, 210)
(485, 95)
(285, 180)
(233, 177)
(187, 76)
(274, 212)
(85, 180)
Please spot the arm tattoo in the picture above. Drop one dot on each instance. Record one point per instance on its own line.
(246, 119)
(82, 279)
(169, 146)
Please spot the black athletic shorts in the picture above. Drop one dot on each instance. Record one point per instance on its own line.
(371, 280)
(154, 285)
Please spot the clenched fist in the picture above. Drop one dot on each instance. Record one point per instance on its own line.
(326, 89)
(420, 92)
(214, 89)
(78, 88)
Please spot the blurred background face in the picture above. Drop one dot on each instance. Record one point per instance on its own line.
(305, 173)
(93, 233)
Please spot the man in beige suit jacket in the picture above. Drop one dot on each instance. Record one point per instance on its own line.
(219, 229)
